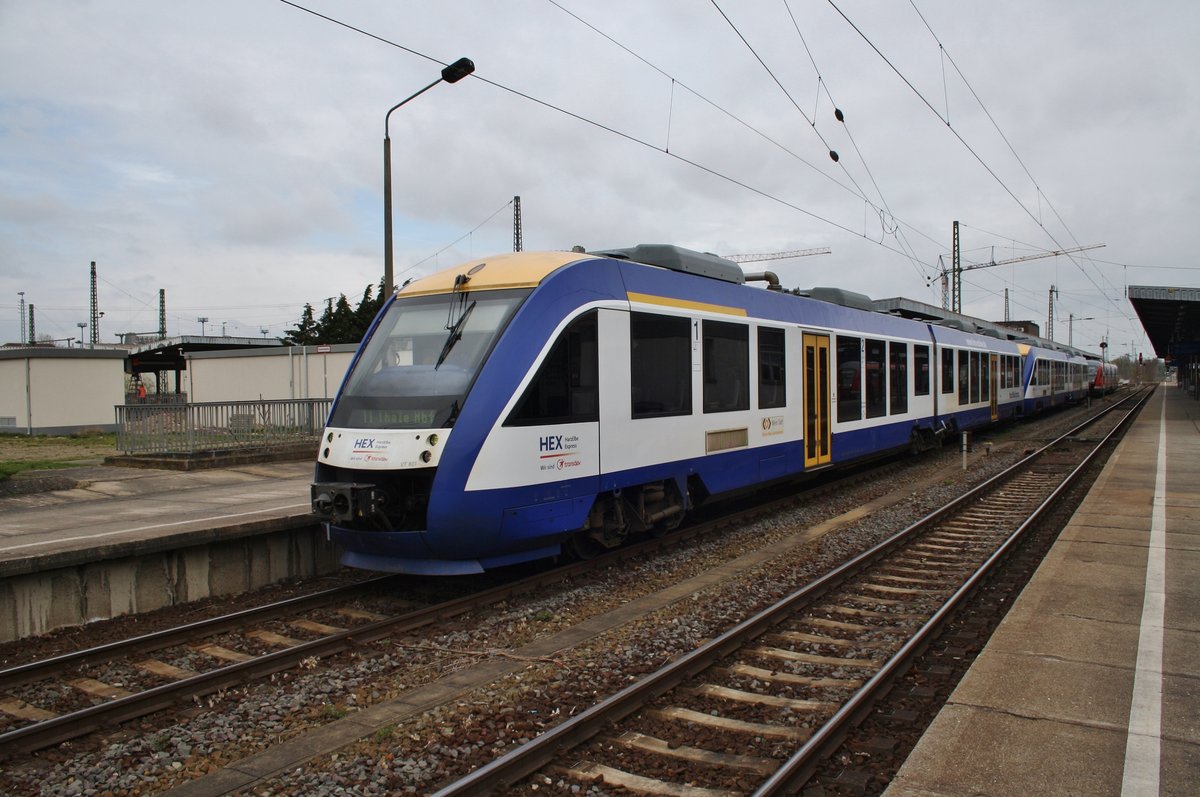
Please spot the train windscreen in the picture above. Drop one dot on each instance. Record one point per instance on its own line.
(415, 370)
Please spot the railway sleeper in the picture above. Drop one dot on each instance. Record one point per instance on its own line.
(24, 711)
(589, 772)
(94, 688)
(802, 637)
(754, 698)
(632, 740)
(679, 714)
(788, 678)
(812, 658)
(164, 670)
(876, 601)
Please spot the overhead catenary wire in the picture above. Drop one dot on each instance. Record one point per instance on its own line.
(822, 85)
(945, 120)
(665, 149)
(983, 106)
(857, 191)
(609, 129)
(467, 234)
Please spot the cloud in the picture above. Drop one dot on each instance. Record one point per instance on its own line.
(231, 152)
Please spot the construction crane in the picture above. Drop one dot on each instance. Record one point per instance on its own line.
(823, 250)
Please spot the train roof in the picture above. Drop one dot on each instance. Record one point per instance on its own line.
(495, 272)
(528, 269)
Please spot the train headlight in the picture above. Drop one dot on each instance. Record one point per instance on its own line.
(426, 456)
(432, 440)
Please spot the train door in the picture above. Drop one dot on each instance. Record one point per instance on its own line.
(817, 450)
(993, 381)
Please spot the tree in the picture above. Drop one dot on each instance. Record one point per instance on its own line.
(339, 323)
(304, 333)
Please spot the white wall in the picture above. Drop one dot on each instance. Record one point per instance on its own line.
(63, 390)
(297, 372)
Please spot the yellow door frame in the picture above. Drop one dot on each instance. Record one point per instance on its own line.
(994, 383)
(818, 448)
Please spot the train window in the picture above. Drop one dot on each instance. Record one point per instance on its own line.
(726, 366)
(947, 370)
(564, 390)
(849, 379)
(921, 370)
(898, 377)
(876, 378)
(413, 372)
(974, 377)
(660, 365)
(964, 378)
(772, 390)
(985, 376)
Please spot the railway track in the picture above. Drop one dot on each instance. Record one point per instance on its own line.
(69, 696)
(756, 709)
(46, 702)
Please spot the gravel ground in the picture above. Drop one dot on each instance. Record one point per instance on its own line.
(456, 737)
(413, 757)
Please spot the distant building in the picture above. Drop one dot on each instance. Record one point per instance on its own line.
(1025, 327)
(48, 390)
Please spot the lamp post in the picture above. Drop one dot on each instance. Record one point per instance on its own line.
(450, 74)
(82, 326)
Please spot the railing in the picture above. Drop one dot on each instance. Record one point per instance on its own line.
(156, 398)
(219, 425)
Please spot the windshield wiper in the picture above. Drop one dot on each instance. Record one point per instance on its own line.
(455, 335)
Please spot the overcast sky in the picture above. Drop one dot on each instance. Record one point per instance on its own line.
(230, 151)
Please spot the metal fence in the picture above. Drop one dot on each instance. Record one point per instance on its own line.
(219, 425)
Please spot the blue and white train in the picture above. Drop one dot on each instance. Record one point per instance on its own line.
(530, 404)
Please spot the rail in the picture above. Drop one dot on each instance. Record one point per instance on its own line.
(219, 425)
(519, 762)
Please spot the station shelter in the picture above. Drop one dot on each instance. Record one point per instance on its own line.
(164, 361)
(1171, 318)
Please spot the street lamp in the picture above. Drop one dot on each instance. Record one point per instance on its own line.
(451, 74)
(82, 326)
(203, 320)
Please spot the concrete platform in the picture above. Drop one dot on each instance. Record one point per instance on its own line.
(1091, 685)
(137, 539)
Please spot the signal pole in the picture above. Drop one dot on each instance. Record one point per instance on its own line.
(518, 239)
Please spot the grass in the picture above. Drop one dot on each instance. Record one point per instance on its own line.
(10, 469)
(20, 452)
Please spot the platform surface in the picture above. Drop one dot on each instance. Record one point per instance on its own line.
(1091, 684)
(121, 511)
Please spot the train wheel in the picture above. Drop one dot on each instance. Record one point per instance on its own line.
(582, 546)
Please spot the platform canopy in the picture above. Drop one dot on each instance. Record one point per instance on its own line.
(1171, 318)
